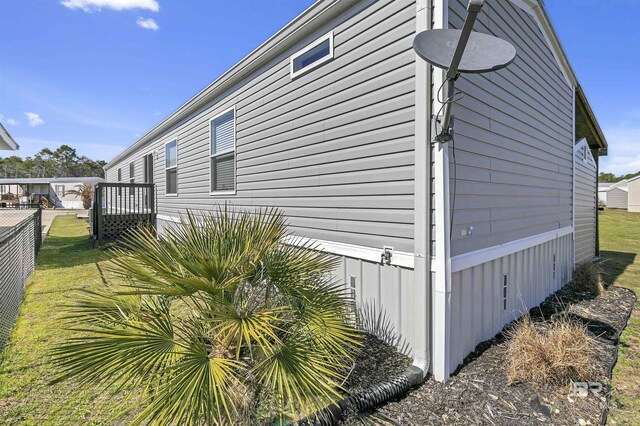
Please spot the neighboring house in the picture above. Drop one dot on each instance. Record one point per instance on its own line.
(23, 190)
(6, 141)
(602, 191)
(633, 192)
(615, 195)
(329, 120)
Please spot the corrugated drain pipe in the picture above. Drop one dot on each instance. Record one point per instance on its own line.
(367, 399)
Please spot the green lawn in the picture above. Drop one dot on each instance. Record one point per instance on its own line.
(620, 248)
(66, 263)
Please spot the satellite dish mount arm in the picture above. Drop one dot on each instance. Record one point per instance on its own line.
(473, 9)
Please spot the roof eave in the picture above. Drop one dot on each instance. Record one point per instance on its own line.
(597, 139)
(309, 20)
(6, 141)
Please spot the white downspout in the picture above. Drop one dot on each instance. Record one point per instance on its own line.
(441, 306)
(422, 197)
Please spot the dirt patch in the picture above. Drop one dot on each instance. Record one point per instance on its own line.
(479, 392)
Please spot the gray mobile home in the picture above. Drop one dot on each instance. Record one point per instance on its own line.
(617, 195)
(329, 120)
(54, 190)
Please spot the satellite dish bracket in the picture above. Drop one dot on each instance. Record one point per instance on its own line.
(473, 8)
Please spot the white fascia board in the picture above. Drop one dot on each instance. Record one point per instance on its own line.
(371, 254)
(6, 141)
(317, 14)
(478, 257)
(537, 10)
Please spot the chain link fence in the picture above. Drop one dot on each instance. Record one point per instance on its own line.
(20, 239)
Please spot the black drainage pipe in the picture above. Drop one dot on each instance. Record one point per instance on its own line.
(367, 399)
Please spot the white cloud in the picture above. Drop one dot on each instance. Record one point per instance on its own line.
(34, 119)
(93, 5)
(8, 120)
(624, 143)
(148, 24)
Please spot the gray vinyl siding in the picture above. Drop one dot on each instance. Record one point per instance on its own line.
(585, 205)
(617, 198)
(333, 147)
(511, 163)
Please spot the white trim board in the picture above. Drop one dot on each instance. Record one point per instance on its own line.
(371, 254)
(478, 257)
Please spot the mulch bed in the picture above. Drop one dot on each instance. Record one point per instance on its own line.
(479, 394)
(375, 362)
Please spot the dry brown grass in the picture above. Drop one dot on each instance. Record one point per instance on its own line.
(555, 352)
(587, 278)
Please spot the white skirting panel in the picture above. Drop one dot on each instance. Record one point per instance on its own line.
(384, 296)
(478, 309)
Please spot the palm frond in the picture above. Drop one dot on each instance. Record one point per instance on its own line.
(299, 379)
(122, 349)
(199, 389)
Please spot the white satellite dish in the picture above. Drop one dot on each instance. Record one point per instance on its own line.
(462, 51)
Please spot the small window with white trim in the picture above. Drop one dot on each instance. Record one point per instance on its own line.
(59, 191)
(131, 172)
(312, 56)
(223, 153)
(171, 167)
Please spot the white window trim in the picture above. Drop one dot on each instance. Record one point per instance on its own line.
(55, 189)
(170, 194)
(154, 153)
(132, 175)
(226, 151)
(330, 56)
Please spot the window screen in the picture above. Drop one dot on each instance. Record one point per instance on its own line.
(60, 191)
(223, 155)
(171, 167)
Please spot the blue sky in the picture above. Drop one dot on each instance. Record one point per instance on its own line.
(96, 74)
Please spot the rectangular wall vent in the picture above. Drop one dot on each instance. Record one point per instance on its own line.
(352, 286)
(505, 285)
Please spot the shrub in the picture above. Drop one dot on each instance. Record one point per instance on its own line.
(586, 278)
(85, 192)
(221, 323)
(555, 352)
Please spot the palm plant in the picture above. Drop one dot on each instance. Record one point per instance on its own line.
(219, 320)
(85, 192)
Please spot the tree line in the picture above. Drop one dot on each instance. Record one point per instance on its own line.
(63, 162)
(610, 177)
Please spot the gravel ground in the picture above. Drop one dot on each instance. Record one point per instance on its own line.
(478, 394)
